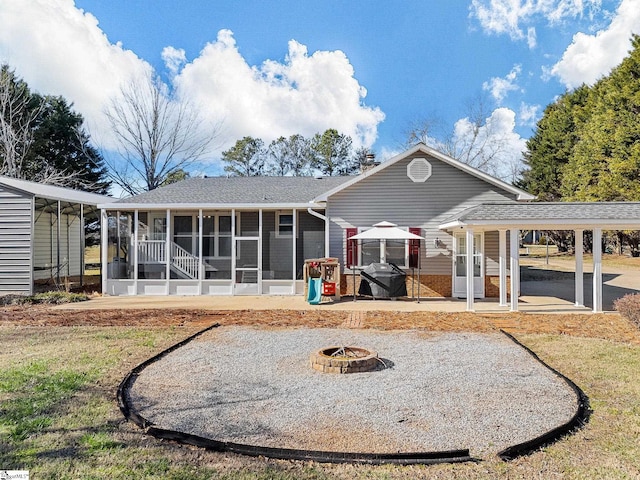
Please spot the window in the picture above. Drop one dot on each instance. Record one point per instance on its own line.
(284, 224)
(216, 236)
(384, 251)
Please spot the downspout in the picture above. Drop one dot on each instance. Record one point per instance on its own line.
(326, 228)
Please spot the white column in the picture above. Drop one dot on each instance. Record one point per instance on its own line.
(200, 255)
(597, 270)
(470, 292)
(294, 236)
(514, 236)
(233, 251)
(579, 252)
(167, 252)
(260, 251)
(135, 252)
(104, 249)
(502, 241)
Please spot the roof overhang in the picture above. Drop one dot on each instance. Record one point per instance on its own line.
(520, 194)
(560, 216)
(55, 193)
(209, 206)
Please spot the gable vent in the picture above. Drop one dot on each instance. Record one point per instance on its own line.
(419, 170)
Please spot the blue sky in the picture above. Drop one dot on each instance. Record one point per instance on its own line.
(275, 68)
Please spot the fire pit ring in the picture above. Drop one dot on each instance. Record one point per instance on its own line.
(341, 359)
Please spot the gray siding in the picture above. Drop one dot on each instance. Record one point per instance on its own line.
(390, 195)
(15, 241)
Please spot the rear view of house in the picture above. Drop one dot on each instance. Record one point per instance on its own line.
(251, 235)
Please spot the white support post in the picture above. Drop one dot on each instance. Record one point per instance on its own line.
(597, 270)
(260, 251)
(502, 247)
(233, 251)
(470, 292)
(294, 236)
(58, 239)
(514, 243)
(104, 249)
(135, 251)
(167, 253)
(82, 245)
(200, 256)
(579, 252)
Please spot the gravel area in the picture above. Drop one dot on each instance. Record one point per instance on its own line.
(442, 391)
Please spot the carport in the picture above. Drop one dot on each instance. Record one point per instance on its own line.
(510, 218)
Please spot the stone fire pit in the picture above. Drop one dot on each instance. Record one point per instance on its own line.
(345, 360)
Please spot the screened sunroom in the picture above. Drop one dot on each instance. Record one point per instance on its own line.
(209, 251)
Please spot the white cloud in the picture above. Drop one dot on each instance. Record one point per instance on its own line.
(532, 38)
(589, 57)
(508, 16)
(528, 114)
(494, 146)
(500, 87)
(304, 94)
(174, 59)
(59, 49)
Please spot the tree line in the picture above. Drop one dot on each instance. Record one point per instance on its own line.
(586, 146)
(329, 153)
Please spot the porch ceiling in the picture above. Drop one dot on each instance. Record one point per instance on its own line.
(548, 216)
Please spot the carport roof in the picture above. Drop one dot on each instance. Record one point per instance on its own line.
(549, 216)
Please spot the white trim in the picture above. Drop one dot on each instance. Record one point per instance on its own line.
(422, 148)
(536, 224)
(210, 206)
(280, 213)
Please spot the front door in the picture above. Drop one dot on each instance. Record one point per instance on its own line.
(460, 266)
(246, 267)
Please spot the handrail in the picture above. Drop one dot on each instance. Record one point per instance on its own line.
(154, 251)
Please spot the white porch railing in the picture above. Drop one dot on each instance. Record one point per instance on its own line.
(154, 251)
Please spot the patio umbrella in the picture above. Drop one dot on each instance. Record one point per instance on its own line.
(387, 231)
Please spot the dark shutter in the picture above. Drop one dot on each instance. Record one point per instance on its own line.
(352, 247)
(414, 247)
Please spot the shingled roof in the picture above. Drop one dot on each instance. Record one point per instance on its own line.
(238, 191)
(547, 215)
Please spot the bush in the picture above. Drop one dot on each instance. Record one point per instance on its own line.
(50, 298)
(629, 307)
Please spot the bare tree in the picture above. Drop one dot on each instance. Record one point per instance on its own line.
(18, 116)
(477, 140)
(158, 135)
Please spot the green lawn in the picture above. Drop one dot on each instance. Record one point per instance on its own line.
(59, 418)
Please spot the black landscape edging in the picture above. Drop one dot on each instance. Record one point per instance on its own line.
(411, 458)
(579, 419)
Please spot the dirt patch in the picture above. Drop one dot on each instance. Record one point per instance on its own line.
(609, 326)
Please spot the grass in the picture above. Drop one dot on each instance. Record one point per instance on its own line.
(59, 418)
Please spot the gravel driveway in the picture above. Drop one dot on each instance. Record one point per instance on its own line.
(444, 391)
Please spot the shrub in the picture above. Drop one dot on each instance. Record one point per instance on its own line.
(629, 307)
(51, 298)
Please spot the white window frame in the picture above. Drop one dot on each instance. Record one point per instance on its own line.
(282, 213)
(383, 249)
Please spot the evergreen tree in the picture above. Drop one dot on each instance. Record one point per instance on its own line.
(247, 158)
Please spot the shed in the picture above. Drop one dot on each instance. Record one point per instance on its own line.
(42, 233)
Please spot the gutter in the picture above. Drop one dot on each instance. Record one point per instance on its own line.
(326, 228)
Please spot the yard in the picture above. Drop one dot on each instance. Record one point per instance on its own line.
(59, 372)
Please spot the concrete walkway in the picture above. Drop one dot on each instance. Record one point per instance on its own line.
(538, 304)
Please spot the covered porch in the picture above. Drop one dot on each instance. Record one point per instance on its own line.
(209, 251)
(510, 218)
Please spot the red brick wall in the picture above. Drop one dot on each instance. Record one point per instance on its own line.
(430, 285)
